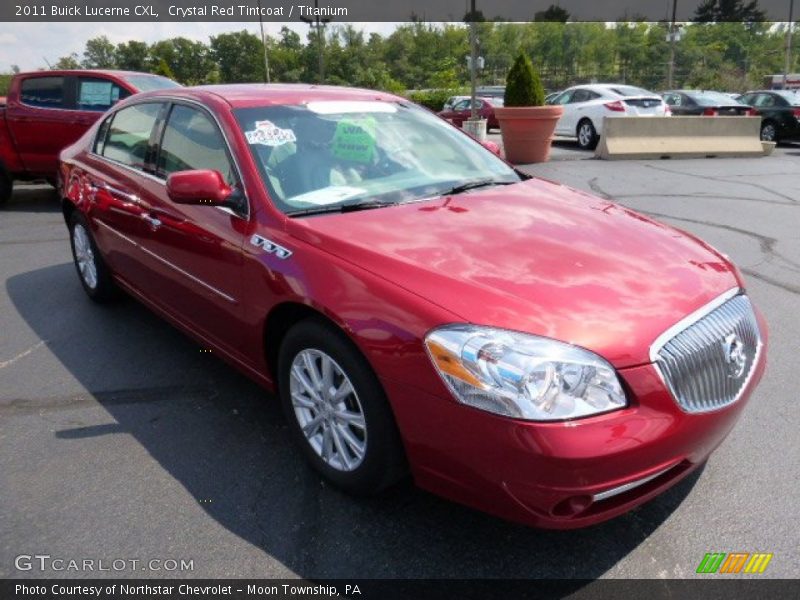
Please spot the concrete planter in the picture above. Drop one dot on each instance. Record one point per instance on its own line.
(476, 129)
(528, 131)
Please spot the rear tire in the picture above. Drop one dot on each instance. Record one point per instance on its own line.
(337, 410)
(6, 188)
(769, 132)
(94, 274)
(587, 135)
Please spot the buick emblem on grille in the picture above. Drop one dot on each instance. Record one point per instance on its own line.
(735, 356)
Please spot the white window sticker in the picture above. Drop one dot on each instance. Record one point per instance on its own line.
(267, 133)
(96, 93)
(328, 195)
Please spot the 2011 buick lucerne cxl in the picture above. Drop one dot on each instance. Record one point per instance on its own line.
(418, 304)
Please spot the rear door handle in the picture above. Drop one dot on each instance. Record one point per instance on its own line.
(95, 187)
(153, 221)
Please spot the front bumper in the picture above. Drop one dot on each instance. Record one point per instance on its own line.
(560, 475)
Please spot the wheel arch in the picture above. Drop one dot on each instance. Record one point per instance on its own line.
(281, 318)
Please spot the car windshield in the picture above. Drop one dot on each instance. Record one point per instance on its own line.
(332, 155)
(629, 90)
(792, 97)
(712, 98)
(148, 83)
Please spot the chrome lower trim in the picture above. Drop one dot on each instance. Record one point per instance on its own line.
(171, 265)
(621, 489)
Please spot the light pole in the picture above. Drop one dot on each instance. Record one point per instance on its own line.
(264, 44)
(787, 65)
(671, 70)
(318, 23)
(473, 62)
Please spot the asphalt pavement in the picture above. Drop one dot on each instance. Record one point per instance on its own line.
(120, 439)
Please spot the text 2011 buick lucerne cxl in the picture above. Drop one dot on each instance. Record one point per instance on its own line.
(419, 305)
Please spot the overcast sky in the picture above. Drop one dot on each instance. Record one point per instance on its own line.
(32, 45)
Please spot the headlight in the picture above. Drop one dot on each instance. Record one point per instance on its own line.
(523, 376)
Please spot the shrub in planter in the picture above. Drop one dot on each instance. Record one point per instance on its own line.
(526, 124)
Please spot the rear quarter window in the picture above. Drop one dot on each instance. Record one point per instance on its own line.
(128, 136)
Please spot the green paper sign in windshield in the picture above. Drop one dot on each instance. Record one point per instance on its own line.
(354, 140)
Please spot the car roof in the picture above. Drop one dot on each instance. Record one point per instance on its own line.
(243, 95)
(64, 72)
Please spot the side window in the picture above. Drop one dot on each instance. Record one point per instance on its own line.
(102, 132)
(43, 92)
(129, 134)
(564, 97)
(98, 94)
(579, 96)
(193, 141)
(463, 105)
(765, 100)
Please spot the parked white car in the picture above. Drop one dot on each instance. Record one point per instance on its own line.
(585, 107)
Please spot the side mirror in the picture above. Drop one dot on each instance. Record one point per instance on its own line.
(202, 186)
(491, 147)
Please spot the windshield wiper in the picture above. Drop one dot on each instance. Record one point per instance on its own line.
(477, 183)
(341, 208)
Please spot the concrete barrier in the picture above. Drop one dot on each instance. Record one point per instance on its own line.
(679, 137)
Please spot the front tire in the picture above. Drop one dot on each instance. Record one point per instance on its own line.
(587, 135)
(337, 410)
(94, 275)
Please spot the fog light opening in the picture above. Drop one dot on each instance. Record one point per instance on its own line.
(571, 506)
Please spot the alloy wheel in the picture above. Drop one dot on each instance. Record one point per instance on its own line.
(585, 135)
(84, 255)
(328, 410)
(768, 132)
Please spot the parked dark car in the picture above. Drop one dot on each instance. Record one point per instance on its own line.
(46, 111)
(702, 103)
(417, 303)
(460, 112)
(779, 111)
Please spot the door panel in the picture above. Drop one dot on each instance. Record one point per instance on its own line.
(198, 249)
(114, 188)
(42, 123)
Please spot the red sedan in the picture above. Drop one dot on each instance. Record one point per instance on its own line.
(418, 305)
(461, 111)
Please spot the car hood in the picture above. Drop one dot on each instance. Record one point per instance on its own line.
(536, 257)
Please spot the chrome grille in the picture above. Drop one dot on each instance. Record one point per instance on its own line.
(708, 361)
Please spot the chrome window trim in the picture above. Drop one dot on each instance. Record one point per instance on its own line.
(162, 181)
(163, 260)
(686, 323)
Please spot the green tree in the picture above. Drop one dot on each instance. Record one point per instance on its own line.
(523, 87)
(70, 61)
(239, 56)
(99, 54)
(189, 60)
(132, 56)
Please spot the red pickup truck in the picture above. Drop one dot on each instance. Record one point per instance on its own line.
(46, 111)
